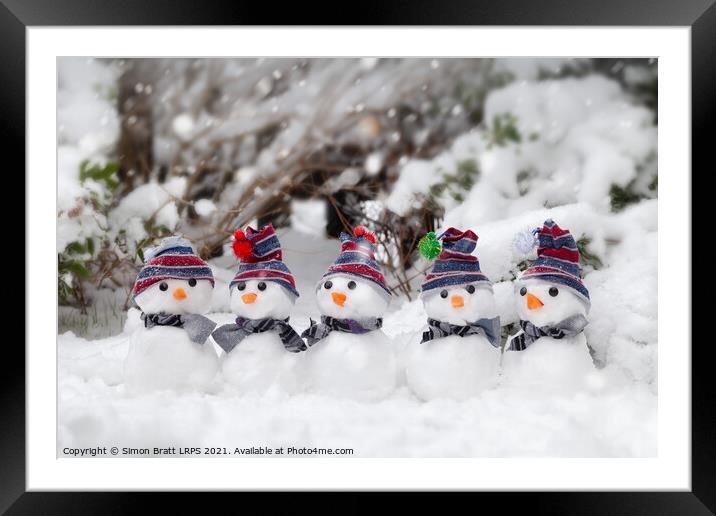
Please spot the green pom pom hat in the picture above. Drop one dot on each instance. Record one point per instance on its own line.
(455, 264)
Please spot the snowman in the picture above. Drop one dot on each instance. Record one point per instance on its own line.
(458, 355)
(349, 356)
(173, 290)
(261, 345)
(550, 350)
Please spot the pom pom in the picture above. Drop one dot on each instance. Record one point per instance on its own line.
(242, 247)
(525, 241)
(360, 231)
(429, 246)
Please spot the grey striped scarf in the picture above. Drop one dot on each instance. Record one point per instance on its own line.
(230, 335)
(197, 326)
(317, 331)
(489, 328)
(567, 328)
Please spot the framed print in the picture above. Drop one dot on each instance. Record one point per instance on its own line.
(420, 257)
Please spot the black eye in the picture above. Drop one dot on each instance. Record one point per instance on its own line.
(241, 285)
(327, 285)
(262, 285)
(443, 294)
(523, 291)
(351, 285)
(553, 291)
(192, 282)
(470, 289)
(163, 286)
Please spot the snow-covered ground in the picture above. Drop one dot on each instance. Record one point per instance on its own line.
(614, 417)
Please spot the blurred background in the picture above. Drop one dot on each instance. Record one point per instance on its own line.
(201, 147)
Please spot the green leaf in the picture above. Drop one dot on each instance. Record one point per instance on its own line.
(621, 197)
(586, 256)
(75, 248)
(78, 269)
(103, 174)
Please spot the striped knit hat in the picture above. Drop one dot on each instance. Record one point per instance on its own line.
(173, 258)
(357, 258)
(261, 258)
(455, 264)
(557, 260)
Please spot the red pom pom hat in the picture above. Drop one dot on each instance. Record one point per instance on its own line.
(261, 258)
(357, 259)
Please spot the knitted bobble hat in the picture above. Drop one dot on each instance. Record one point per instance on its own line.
(261, 258)
(357, 259)
(557, 260)
(455, 264)
(173, 258)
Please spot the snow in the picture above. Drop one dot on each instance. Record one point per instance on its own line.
(578, 138)
(150, 200)
(204, 207)
(309, 216)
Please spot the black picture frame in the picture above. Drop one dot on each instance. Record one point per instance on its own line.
(17, 15)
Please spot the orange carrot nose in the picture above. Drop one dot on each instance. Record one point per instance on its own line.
(457, 301)
(249, 298)
(179, 294)
(338, 298)
(533, 302)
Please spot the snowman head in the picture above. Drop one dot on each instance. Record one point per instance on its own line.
(543, 303)
(551, 288)
(354, 286)
(176, 296)
(460, 304)
(263, 286)
(174, 280)
(260, 299)
(347, 297)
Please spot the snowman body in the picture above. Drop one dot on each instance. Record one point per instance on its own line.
(548, 363)
(454, 367)
(260, 362)
(165, 357)
(359, 366)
